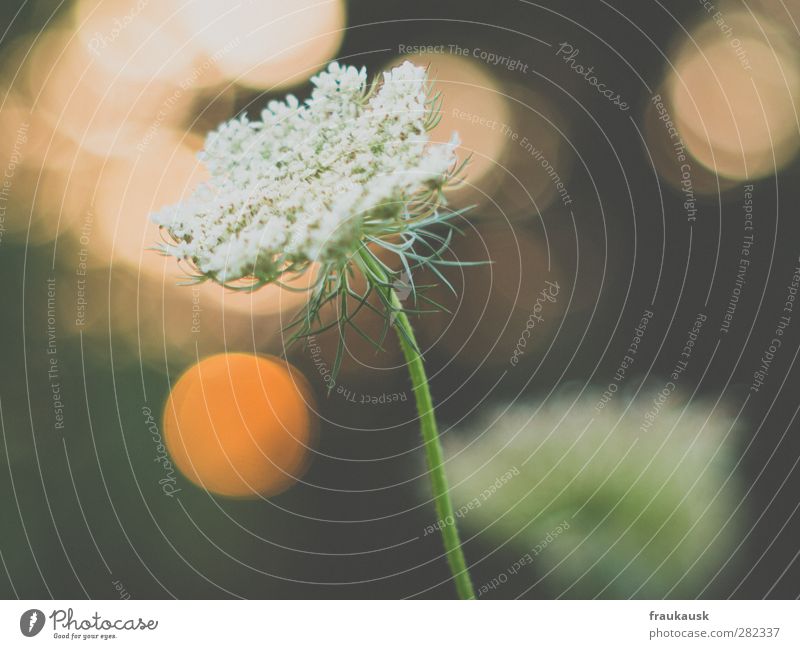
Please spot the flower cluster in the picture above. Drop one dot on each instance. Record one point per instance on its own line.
(310, 181)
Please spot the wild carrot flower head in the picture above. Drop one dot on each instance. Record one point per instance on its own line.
(312, 181)
(327, 183)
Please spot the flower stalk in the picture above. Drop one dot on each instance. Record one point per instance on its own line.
(429, 429)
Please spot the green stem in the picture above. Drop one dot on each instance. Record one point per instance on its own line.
(430, 434)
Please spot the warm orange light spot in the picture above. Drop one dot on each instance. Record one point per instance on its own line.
(240, 425)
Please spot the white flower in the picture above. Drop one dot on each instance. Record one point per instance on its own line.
(310, 179)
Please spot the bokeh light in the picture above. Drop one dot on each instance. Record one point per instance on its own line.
(661, 149)
(240, 425)
(267, 44)
(106, 111)
(481, 325)
(135, 39)
(733, 99)
(538, 147)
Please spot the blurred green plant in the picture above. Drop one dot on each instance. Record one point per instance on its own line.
(599, 508)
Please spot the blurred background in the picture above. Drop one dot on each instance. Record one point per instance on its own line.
(617, 390)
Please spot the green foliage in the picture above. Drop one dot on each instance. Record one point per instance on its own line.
(649, 515)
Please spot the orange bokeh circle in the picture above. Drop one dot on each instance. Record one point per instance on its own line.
(240, 425)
